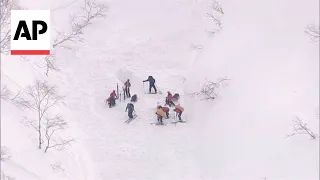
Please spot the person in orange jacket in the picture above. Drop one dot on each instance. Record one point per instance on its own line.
(160, 114)
(178, 109)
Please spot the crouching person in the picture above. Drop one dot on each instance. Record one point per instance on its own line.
(134, 98)
(166, 110)
(179, 109)
(160, 114)
(112, 99)
(169, 99)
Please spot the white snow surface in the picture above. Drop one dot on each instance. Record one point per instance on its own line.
(262, 48)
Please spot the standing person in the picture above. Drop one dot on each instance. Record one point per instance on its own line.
(160, 114)
(130, 109)
(112, 99)
(127, 86)
(152, 82)
(178, 109)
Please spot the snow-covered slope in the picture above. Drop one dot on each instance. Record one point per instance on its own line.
(262, 48)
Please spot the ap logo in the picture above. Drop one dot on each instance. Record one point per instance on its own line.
(30, 32)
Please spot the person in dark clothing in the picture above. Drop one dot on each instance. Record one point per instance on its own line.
(176, 96)
(152, 82)
(127, 86)
(130, 109)
(134, 98)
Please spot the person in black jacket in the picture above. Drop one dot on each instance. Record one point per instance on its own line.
(130, 109)
(134, 98)
(152, 82)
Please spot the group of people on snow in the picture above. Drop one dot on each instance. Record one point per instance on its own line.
(162, 112)
(111, 101)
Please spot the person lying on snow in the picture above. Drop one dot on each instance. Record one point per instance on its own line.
(169, 99)
(130, 109)
(134, 98)
(127, 86)
(152, 82)
(112, 99)
(179, 109)
(160, 114)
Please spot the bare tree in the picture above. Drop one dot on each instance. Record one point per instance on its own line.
(300, 127)
(215, 15)
(52, 126)
(91, 10)
(5, 14)
(5, 155)
(313, 32)
(6, 177)
(41, 98)
(5, 93)
(208, 90)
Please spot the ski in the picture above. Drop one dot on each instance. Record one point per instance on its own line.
(158, 124)
(129, 120)
(175, 122)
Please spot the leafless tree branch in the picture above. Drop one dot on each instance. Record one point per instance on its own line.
(91, 10)
(6, 177)
(16, 99)
(57, 166)
(217, 7)
(215, 19)
(300, 127)
(215, 15)
(5, 12)
(4, 155)
(313, 32)
(207, 91)
(52, 126)
(5, 93)
(20, 101)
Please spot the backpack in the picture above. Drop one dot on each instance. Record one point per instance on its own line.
(180, 108)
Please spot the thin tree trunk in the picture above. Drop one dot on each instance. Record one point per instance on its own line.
(39, 127)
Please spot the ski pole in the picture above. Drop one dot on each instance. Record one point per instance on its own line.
(143, 87)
